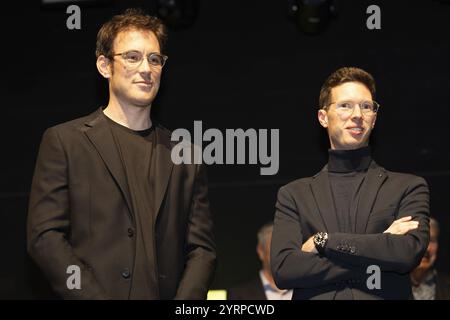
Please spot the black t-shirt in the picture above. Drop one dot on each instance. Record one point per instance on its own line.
(136, 149)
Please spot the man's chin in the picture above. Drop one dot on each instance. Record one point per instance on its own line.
(352, 145)
(142, 99)
(143, 103)
(356, 143)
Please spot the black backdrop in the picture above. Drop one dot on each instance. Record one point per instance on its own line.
(243, 64)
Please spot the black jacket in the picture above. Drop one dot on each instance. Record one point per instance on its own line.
(81, 213)
(305, 207)
(251, 290)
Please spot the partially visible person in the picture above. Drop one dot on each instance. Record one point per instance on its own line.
(263, 286)
(427, 282)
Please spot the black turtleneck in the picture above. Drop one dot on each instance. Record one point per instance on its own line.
(347, 170)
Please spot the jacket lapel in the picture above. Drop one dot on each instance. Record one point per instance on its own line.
(163, 168)
(101, 137)
(321, 190)
(375, 177)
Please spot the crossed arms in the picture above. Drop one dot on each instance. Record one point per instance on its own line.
(296, 264)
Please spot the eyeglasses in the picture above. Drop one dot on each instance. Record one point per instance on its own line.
(133, 59)
(347, 107)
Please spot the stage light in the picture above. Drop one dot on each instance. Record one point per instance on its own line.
(178, 13)
(312, 16)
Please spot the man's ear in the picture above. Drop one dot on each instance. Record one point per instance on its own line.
(104, 66)
(323, 118)
(374, 120)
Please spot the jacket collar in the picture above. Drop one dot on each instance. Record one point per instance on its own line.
(321, 190)
(99, 133)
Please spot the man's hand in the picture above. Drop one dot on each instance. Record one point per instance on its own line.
(402, 226)
(309, 246)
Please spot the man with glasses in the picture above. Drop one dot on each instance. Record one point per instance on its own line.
(110, 215)
(354, 230)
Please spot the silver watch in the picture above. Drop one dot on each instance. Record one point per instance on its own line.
(320, 240)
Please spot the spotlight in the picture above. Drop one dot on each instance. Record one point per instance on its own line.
(312, 16)
(178, 13)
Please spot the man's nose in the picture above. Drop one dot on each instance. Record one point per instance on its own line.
(356, 113)
(145, 66)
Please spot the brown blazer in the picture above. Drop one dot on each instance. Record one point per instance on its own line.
(81, 213)
(305, 207)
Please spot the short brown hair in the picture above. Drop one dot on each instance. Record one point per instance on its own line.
(130, 19)
(343, 75)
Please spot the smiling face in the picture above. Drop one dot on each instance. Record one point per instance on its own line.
(134, 86)
(348, 131)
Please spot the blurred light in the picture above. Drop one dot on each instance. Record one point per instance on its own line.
(312, 16)
(217, 295)
(178, 13)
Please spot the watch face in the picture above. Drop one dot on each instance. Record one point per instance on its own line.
(320, 239)
(317, 239)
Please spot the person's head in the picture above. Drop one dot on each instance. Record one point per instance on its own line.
(347, 108)
(263, 246)
(129, 55)
(431, 254)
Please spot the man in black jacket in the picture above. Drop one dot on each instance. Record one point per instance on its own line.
(354, 230)
(110, 215)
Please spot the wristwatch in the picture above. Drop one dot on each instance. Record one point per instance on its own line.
(320, 240)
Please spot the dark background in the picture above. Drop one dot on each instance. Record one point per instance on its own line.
(242, 64)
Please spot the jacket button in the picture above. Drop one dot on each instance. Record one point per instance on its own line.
(126, 273)
(130, 232)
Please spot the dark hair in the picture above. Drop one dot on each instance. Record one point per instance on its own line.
(130, 19)
(343, 75)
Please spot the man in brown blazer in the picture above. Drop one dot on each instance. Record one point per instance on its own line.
(354, 230)
(107, 204)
